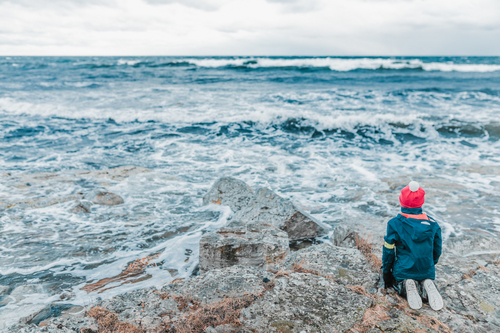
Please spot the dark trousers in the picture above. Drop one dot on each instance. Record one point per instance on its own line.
(400, 287)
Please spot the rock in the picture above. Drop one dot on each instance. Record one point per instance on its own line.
(246, 245)
(19, 292)
(118, 173)
(344, 236)
(476, 298)
(230, 192)
(344, 265)
(82, 207)
(269, 208)
(105, 198)
(305, 302)
(464, 253)
(4, 290)
(218, 284)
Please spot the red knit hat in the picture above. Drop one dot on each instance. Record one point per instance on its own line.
(412, 196)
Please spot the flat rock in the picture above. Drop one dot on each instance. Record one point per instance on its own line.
(269, 208)
(105, 198)
(246, 245)
(218, 284)
(305, 303)
(477, 298)
(230, 192)
(344, 265)
(464, 253)
(118, 173)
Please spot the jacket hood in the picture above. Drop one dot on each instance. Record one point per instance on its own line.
(419, 229)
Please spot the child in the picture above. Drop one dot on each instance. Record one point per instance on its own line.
(411, 250)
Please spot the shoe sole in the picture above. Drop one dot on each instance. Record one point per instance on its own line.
(412, 296)
(435, 299)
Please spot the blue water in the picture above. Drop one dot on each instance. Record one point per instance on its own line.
(338, 136)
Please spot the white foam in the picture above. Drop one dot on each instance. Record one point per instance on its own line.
(344, 64)
(128, 62)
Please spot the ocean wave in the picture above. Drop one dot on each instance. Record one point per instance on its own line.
(338, 64)
(335, 64)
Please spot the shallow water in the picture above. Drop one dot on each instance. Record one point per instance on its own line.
(338, 136)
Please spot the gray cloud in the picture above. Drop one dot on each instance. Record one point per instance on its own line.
(198, 4)
(241, 27)
(56, 3)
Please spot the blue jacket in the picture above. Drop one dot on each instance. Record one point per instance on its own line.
(412, 245)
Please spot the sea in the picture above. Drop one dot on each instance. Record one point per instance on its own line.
(339, 136)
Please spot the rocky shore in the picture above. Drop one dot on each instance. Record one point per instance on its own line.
(251, 280)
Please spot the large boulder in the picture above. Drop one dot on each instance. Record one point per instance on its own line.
(251, 244)
(269, 208)
(344, 265)
(230, 192)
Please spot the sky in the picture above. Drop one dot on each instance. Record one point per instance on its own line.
(256, 27)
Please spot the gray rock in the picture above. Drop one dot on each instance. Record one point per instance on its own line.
(477, 298)
(246, 245)
(230, 192)
(82, 207)
(464, 253)
(344, 265)
(305, 302)
(218, 284)
(269, 208)
(145, 308)
(344, 236)
(105, 198)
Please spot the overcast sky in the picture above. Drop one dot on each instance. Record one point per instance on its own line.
(250, 27)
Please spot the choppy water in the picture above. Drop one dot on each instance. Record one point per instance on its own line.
(339, 136)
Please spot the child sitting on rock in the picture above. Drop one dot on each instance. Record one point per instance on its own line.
(411, 250)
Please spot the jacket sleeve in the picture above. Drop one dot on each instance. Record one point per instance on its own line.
(438, 244)
(389, 252)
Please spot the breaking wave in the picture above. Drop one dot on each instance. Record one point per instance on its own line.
(334, 64)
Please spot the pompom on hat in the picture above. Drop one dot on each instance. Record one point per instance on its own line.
(412, 196)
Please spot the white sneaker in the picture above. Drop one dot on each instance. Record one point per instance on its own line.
(414, 300)
(435, 299)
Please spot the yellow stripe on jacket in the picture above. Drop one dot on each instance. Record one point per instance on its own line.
(389, 246)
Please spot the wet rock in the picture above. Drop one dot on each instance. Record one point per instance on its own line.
(344, 265)
(19, 292)
(305, 302)
(246, 245)
(118, 173)
(105, 198)
(269, 208)
(230, 192)
(82, 207)
(4, 290)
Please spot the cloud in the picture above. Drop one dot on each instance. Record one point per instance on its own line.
(259, 27)
(206, 5)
